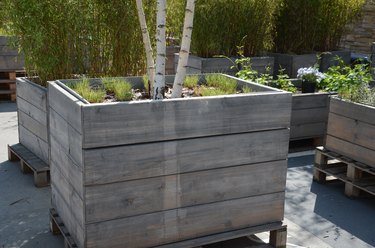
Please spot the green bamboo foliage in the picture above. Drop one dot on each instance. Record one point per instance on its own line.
(62, 38)
(305, 26)
(221, 25)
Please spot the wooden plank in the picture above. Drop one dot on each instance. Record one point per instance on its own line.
(355, 152)
(353, 131)
(185, 223)
(66, 215)
(71, 171)
(116, 123)
(68, 137)
(32, 111)
(169, 192)
(68, 194)
(167, 158)
(68, 107)
(278, 238)
(352, 110)
(32, 93)
(35, 144)
(310, 100)
(226, 236)
(37, 128)
(305, 131)
(309, 116)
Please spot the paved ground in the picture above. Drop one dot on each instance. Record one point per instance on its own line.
(317, 216)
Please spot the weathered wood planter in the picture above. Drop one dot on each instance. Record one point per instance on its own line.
(309, 115)
(351, 130)
(198, 65)
(9, 57)
(146, 173)
(32, 117)
(291, 63)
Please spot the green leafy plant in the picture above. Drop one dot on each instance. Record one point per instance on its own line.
(350, 83)
(246, 89)
(283, 82)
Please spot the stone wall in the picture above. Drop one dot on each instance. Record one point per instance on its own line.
(361, 33)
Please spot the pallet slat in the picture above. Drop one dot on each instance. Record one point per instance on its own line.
(346, 170)
(30, 163)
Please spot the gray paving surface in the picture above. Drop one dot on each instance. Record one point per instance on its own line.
(317, 215)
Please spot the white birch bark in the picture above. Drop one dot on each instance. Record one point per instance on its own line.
(185, 49)
(147, 44)
(159, 83)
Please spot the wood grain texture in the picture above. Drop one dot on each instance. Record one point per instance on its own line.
(352, 110)
(34, 126)
(309, 116)
(64, 212)
(68, 107)
(158, 159)
(32, 142)
(351, 130)
(350, 150)
(68, 194)
(184, 223)
(182, 190)
(32, 93)
(66, 165)
(310, 101)
(31, 110)
(116, 124)
(305, 131)
(68, 137)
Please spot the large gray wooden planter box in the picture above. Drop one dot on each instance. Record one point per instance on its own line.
(9, 57)
(198, 65)
(145, 173)
(351, 130)
(291, 63)
(32, 117)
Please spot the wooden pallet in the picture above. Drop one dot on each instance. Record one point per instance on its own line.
(357, 176)
(57, 227)
(278, 234)
(30, 163)
(8, 85)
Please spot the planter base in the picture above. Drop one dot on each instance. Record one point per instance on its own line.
(358, 177)
(30, 163)
(278, 234)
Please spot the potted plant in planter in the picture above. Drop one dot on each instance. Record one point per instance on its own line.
(153, 172)
(310, 77)
(351, 116)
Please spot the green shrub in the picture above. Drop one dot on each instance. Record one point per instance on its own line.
(305, 26)
(350, 83)
(62, 38)
(221, 25)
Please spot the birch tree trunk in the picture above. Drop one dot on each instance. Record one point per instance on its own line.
(185, 49)
(159, 84)
(147, 44)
